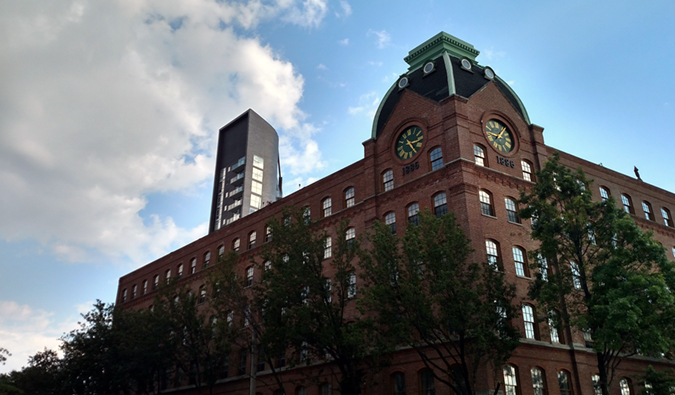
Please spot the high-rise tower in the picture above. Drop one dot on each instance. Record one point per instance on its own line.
(247, 175)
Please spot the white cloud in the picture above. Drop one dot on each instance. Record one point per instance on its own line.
(321, 66)
(345, 10)
(25, 331)
(367, 105)
(310, 14)
(491, 55)
(382, 38)
(344, 42)
(375, 64)
(104, 103)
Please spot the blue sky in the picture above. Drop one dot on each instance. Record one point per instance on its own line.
(109, 113)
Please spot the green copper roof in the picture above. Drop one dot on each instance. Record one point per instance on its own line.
(447, 78)
(434, 47)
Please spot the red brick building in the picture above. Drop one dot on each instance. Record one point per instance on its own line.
(449, 132)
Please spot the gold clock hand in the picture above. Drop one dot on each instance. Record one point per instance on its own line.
(411, 146)
(502, 132)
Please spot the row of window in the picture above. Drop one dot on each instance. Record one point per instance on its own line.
(647, 209)
(435, 163)
(564, 381)
(481, 159)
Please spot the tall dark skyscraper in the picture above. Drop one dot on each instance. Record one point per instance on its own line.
(247, 175)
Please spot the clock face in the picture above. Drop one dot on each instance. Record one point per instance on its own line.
(499, 136)
(409, 142)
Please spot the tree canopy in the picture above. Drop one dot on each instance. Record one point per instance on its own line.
(425, 293)
(599, 272)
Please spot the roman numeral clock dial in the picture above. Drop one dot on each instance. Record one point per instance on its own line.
(499, 136)
(409, 143)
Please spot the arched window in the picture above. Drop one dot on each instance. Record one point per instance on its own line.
(527, 170)
(145, 287)
(202, 294)
(426, 382)
(479, 155)
(326, 205)
(520, 260)
(235, 244)
(207, 258)
(597, 389)
(390, 220)
(667, 218)
(221, 251)
(349, 197)
(414, 214)
(436, 158)
(511, 210)
(398, 383)
(564, 383)
(624, 385)
(510, 380)
(306, 215)
(486, 203)
(531, 331)
(604, 193)
(124, 295)
(251, 239)
(168, 276)
(327, 248)
(156, 282)
(647, 208)
(538, 381)
(627, 203)
(134, 291)
(387, 180)
(180, 270)
(268, 234)
(249, 276)
(492, 249)
(440, 204)
(193, 265)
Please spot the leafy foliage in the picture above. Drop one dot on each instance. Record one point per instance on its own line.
(425, 294)
(305, 303)
(606, 277)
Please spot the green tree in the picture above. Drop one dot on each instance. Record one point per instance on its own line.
(599, 271)
(307, 303)
(424, 293)
(657, 383)
(198, 343)
(42, 376)
(92, 362)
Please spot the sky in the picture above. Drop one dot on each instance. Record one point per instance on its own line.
(109, 112)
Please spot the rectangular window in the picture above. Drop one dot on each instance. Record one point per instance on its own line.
(528, 320)
(256, 187)
(479, 155)
(576, 275)
(527, 170)
(351, 285)
(388, 180)
(257, 174)
(349, 197)
(258, 162)
(511, 212)
(327, 250)
(255, 202)
(326, 204)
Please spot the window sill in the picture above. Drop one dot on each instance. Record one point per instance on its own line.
(488, 216)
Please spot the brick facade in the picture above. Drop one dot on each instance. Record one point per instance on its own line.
(454, 124)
